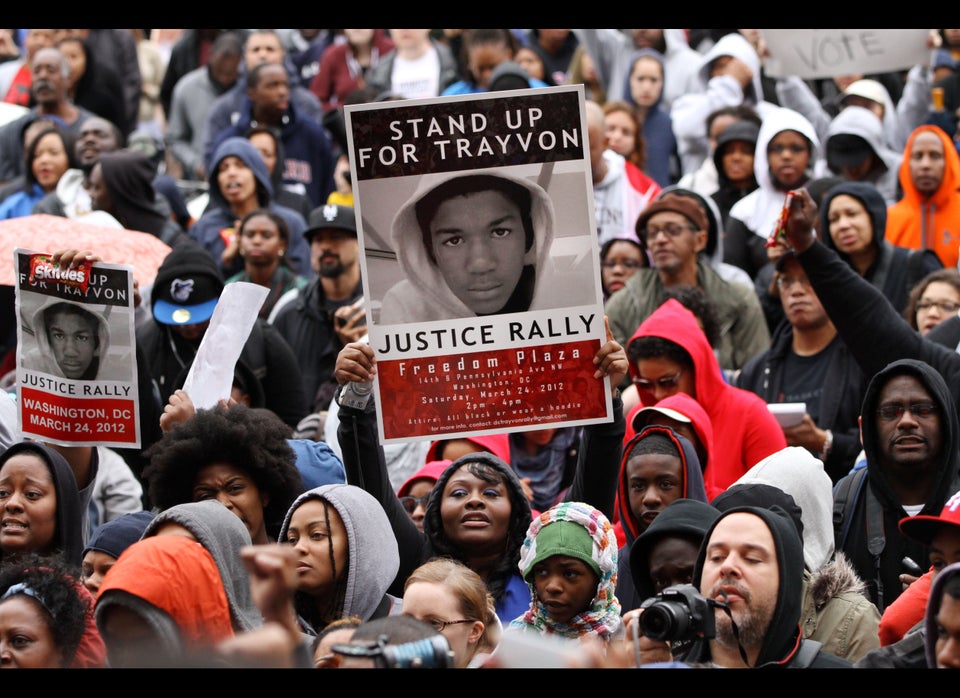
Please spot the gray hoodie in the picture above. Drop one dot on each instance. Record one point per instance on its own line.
(424, 295)
(373, 557)
(858, 121)
(222, 533)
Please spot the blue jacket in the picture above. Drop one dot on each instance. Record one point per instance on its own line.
(663, 159)
(206, 230)
(308, 154)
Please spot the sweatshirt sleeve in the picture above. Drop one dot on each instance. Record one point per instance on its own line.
(869, 325)
(366, 467)
(598, 463)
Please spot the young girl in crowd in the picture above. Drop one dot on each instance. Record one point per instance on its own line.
(569, 561)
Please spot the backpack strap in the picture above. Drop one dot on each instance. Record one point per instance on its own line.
(808, 651)
(845, 496)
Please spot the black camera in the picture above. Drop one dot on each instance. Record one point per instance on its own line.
(430, 653)
(678, 614)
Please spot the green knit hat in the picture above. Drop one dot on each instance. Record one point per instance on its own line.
(563, 538)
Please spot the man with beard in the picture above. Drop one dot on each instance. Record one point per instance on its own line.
(319, 319)
(750, 567)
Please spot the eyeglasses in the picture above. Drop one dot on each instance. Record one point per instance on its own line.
(945, 306)
(626, 264)
(779, 149)
(784, 283)
(672, 230)
(410, 503)
(665, 382)
(921, 410)
(439, 625)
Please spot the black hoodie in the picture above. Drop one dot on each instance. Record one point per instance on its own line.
(266, 354)
(782, 640)
(946, 481)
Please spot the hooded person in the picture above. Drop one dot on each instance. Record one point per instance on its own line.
(705, 93)
(662, 156)
(174, 588)
(222, 534)
(836, 611)
(880, 486)
(754, 216)
(72, 341)
(779, 643)
(729, 192)
(372, 558)
(515, 270)
(422, 481)
(744, 429)
(895, 270)
(127, 193)
(686, 417)
(684, 519)
(70, 518)
(579, 531)
(215, 227)
(655, 442)
(184, 295)
(940, 646)
(928, 220)
(854, 148)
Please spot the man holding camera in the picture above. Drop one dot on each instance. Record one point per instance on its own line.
(319, 319)
(750, 574)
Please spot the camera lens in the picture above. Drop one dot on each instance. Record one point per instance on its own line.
(665, 620)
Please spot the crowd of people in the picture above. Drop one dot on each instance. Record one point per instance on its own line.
(762, 241)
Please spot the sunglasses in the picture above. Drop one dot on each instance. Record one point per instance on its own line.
(665, 382)
(410, 503)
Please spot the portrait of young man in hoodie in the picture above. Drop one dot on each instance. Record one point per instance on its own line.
(472, 245)
(72, 340)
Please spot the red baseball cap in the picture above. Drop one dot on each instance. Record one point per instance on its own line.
(923, 528)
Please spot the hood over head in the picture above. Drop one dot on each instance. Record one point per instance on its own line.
(949, 461)
(222, 534)
(681, 518)
(68, 533)
(872, 200)
(416, 257)
(783, 632)
(372, 553)
(244, 150)
(691, 472)
(799, 474)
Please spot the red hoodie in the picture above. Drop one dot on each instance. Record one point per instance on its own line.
(497, 444)
(744, 430)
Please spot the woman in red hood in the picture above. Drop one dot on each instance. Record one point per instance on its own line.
(414, 493)
(669, 354)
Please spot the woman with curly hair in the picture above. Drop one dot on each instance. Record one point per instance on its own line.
(238, 456)
(46, 616)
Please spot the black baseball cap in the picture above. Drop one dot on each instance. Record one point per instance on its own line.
(331, 216)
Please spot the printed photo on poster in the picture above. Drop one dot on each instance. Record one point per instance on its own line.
(76, 367)
(480, 262)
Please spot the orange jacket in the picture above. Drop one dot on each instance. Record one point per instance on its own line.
(936, 217)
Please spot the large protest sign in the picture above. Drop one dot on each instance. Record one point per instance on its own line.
(480, 262)
(825, 53)
(76, 363)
